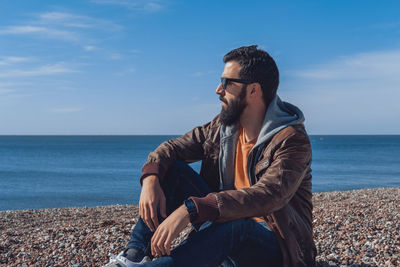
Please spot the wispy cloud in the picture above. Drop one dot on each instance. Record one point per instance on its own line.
(70, 20)
(90, 47)
(66, 20)
(352, 94)
(12, 60)
(51, 69)
(116, 56)
(14, 84)
(135, 51)
(381, 65)
(140, 5)
(6, 91)
(125, 72)
(59, 25)
(67, 110)
(40, 31)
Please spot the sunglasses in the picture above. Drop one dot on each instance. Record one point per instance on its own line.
(225, 81)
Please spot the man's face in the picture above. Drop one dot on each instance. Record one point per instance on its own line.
(233, 97)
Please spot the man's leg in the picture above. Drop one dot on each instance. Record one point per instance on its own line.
(259, 249)
(179, 183)
(245, 241)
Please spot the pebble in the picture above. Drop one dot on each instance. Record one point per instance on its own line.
(351, 228)
(366, 226)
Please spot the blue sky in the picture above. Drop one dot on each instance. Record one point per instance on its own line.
(152, 67)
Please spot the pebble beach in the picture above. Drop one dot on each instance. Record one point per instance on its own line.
(351, 228)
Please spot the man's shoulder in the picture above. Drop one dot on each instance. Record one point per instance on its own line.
(296, 131)
(215, 122)
(206, 132)
(213, 126)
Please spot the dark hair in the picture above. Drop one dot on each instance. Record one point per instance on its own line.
(257, 66)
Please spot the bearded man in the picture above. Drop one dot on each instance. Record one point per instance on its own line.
(251, 203)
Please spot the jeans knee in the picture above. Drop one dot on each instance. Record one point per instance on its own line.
(181, 182)
(177, 166)
(176, 170)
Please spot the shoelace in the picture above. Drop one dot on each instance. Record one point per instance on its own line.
(112, 257)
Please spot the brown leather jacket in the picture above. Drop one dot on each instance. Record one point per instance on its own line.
(282, 193)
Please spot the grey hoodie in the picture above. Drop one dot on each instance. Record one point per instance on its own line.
(279, 115)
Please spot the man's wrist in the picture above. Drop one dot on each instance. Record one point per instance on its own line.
(150, 178)
(185, 213)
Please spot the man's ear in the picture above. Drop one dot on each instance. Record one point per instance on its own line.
(255, 88)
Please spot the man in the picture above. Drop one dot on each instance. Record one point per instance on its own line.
(251, 204)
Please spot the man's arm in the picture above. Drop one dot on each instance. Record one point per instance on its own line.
(189, 148)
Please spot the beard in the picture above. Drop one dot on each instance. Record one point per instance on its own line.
(231, 114)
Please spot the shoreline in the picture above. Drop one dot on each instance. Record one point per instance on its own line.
(350, 227)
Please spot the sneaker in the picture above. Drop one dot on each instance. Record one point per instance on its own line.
(121, 261)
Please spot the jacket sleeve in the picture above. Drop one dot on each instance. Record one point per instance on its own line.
(188, 148)
(276, 186)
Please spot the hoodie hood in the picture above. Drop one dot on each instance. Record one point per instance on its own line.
(279, 115)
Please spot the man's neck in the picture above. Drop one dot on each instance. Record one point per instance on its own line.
(252, 123)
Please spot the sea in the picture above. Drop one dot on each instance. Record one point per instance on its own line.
(83, 171)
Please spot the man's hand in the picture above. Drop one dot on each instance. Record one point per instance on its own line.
(151, 197)
(168, 231)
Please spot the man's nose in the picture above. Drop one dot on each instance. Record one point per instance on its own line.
(220, 90)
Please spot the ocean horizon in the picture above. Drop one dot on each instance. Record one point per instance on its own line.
(54, 171)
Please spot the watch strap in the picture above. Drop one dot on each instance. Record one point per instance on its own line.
(192, 209)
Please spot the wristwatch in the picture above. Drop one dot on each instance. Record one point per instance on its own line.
(192, 209)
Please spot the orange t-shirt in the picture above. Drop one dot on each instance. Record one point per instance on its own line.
(242, 153)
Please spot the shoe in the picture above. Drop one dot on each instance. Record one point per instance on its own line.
(121, 261)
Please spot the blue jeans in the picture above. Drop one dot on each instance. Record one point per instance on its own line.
(242, 242)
